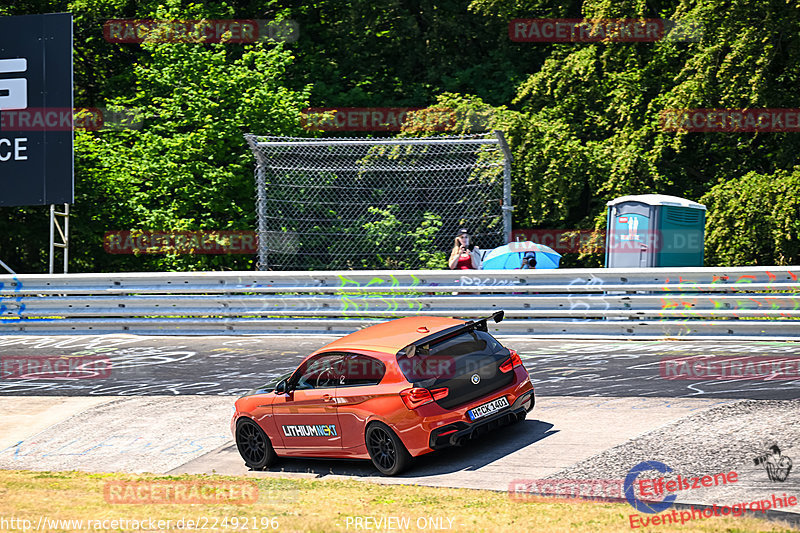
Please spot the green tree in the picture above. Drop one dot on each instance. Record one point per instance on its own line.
(594, 133)
(189, 167)
(754, 220)
(582, 118)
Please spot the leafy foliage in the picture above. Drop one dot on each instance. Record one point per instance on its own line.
(582, 119)
(189, 169)
(754, 220)
(388, 234)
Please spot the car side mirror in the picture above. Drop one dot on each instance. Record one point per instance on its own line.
(282, 387)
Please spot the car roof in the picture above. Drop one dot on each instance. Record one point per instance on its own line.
(392, 336)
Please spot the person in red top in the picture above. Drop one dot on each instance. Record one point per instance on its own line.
(464, 256)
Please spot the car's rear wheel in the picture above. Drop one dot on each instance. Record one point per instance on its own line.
(254, 445)
(386, 450)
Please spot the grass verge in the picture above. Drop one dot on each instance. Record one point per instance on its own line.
(307, 505)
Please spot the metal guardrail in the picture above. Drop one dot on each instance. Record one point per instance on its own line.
(648, 302)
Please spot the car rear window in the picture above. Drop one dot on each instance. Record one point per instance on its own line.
(448, 357)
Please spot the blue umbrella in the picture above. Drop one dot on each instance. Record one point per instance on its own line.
(509, 256)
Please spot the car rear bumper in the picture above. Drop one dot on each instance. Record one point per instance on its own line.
(458, 433)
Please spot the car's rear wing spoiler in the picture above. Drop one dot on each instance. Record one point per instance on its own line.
(480, 325)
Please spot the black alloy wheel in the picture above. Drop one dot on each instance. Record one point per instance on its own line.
(388, 454)
(254, 445)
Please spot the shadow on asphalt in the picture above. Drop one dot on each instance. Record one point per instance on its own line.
(472, 456)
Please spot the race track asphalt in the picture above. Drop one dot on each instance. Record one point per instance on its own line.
(235, 365)
(165, 405)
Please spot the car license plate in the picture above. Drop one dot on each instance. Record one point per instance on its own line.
(488, 408)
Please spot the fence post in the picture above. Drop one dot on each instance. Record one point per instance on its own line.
(261, 209)
(261, 205)
(507, 207)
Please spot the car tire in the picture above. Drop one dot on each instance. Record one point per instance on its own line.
(386, 450)
(253, 444)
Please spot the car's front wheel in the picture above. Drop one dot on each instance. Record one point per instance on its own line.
(254, 445)
(386, 450)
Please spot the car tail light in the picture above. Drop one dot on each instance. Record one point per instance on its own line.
(416, 397)
(419, 396)
(438, 394)
(512, 362)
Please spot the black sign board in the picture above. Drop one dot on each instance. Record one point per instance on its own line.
(36, 129)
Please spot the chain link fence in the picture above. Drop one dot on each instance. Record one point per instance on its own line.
(378, 203)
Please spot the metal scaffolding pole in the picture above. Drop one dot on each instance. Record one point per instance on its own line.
(2, 264)
(63, 232)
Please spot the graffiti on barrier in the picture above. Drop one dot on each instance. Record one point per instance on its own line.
(771, 303)
(474, 281)
(587, 301)
(375, 281)
(381, 302)
(19, 306)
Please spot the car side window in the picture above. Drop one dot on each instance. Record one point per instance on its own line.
(361, 370)
(321, 372)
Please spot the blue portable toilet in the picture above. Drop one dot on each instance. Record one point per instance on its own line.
(654, 230)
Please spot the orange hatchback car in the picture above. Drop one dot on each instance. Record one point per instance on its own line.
(388, 393)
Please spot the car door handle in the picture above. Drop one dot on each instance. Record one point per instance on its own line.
(327, 398)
